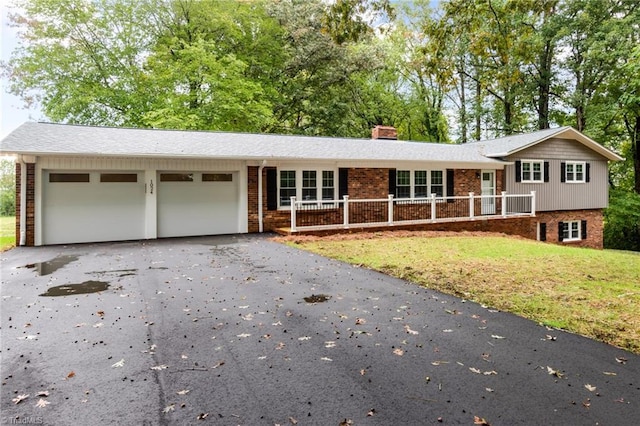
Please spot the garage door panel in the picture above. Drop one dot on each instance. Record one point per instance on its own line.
(206, 205)
(91, 211)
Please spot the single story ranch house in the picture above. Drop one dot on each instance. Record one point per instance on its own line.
(77, 184)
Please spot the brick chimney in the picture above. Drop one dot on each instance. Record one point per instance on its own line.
(384, 132)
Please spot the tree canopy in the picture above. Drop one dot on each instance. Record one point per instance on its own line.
(449, 71)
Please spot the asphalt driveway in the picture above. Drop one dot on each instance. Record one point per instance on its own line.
(245, 331)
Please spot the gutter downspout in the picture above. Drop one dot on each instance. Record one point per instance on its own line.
(262, 165)
(23, 201)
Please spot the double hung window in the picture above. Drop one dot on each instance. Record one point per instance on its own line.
(532, 171)
(419, 183)
(306, 185)
(574, 172)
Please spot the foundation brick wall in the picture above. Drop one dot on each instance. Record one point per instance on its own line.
(595, 226)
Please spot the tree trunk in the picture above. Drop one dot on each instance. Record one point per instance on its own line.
(463, 109)
(544, 85)
(635, 151)
(581, 120)
(478, 111)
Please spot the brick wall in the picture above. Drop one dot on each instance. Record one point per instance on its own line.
(368, 183)
(31, 204)
(595, 226)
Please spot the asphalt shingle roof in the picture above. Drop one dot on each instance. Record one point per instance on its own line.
(59, 139)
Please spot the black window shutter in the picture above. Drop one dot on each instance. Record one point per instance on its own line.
(546, 171)
(563, 172)
(518, 171)
(392, 182)
(560, 226)
(584, 230)
(272, 189)
(450, 185)
(543, 232)
(343, 183)
(587, 175)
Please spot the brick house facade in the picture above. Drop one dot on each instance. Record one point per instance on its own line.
(250, 192)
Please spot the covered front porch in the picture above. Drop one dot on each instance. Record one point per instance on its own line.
(312, 216)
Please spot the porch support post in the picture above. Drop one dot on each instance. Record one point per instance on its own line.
(345, 211)
(390, 209)
(533, 203)
(433, 207)
(293, 214)
(472, 209)
(504, 203)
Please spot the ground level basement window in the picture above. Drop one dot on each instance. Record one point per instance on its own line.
(573, 230)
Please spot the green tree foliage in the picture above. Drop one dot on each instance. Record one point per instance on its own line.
(7, 187)
(622, 221)
(456, 69)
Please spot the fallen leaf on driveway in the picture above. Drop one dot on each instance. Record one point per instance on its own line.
(490, 373)
(480, 421)
(70, 375)
(439, 362)
(118, 364)
(183, 392)
(303, 338)
(360, 321)
(43, 393)
(202, 416)
(42, 403)
(475, 370)
(346, 422)
(29, 337)
(293, 421)
(18, 399)
(243, 335)
(553, 372)
(409, 330)
(169, 408)
(363, 372)
(324, 358)
(329, 344)
(589, 387)
(609, 373)
(489, 389)
(398, 351)
(621, 360)
(495, 336)
(160, 367)
(219, 364)
(100, 313)
(371, 413)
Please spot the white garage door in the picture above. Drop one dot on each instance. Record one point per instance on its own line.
(198, 203)
(92, 206)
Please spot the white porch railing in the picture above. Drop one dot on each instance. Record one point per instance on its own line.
(345, 213)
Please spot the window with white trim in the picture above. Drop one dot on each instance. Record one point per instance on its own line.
(287, 186)
(574, 171)
(328, 185)
(437, 183)
(306, 185)
(532, 171)
(571, 230)
(419, 183)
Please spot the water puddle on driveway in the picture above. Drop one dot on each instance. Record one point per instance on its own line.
(71, 289)
(317, 298)
(50, 266)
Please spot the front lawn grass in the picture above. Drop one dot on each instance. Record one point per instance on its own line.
(7, 232)
(595, 293)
